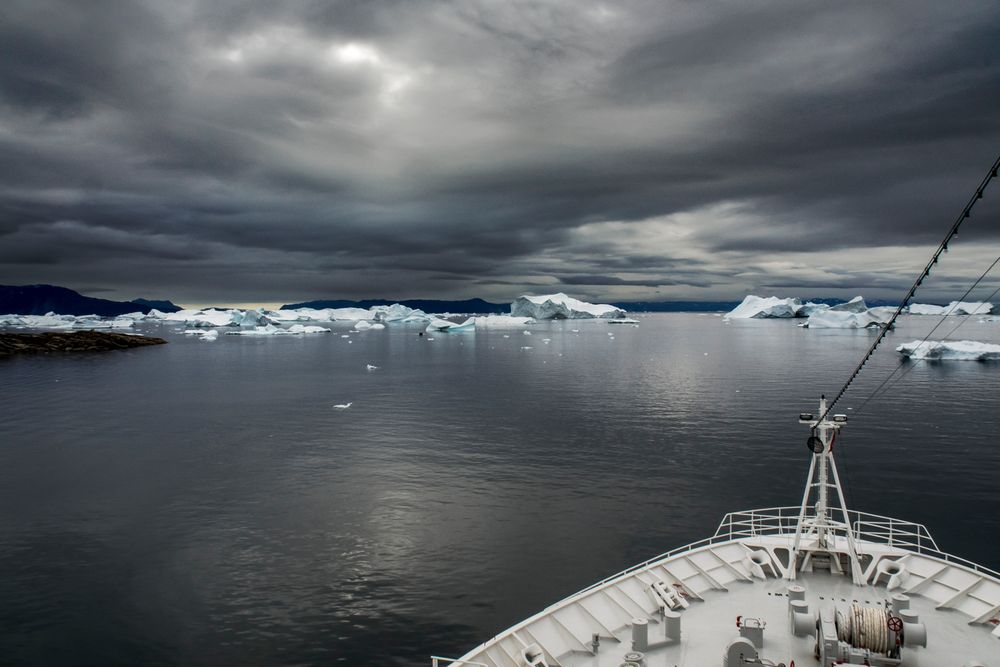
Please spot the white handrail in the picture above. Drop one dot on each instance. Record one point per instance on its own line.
(782, 520)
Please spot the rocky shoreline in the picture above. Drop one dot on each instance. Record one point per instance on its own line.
(71, 341)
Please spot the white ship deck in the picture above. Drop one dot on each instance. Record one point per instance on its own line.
(743, 571)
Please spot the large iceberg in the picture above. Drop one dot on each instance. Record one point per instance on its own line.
(561, 307)
(397, 312)
(855, 305)
(394, 313)
(205, 318)
(961, 350)
(756, 307)
(953, 308)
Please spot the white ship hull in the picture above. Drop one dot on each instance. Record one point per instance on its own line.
(697, 592)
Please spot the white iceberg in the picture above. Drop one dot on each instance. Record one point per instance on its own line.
(756, 307)
(203, 334)
(840, 319)
(953, 308)
(397, 312)
(205, 318)
(960, 350)
(855, 305)
(561, 307)
(808, 308)
(623, 320)
(271, 330)
(446, 326)
(362, 325)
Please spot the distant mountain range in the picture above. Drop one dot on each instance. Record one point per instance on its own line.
(426, 305)
(41, 299)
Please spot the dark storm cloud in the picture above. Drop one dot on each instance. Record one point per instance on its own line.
(234, 150)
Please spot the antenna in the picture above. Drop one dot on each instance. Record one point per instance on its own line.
(823, 531)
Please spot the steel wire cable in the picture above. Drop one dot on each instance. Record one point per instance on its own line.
(885, 383)
(942, 247)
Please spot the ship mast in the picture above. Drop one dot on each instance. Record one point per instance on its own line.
(823, 530)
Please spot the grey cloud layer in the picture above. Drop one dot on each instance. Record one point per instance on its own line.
(282, 150)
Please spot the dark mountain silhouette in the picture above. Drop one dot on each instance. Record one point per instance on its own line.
(41, 299)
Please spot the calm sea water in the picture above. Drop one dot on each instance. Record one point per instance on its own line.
(203, 503)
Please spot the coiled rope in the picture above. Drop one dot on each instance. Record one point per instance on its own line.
(865, 627)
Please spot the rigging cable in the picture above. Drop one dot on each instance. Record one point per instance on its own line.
(946, 337)
(942, 247)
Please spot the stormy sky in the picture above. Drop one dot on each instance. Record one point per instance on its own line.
(263, 151)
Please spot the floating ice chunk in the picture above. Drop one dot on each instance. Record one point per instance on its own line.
(623, 320)
(271, 330)
(953, 308)
(959, 350)
(503, 321)
(344, 406)
(755, 307)
(840, 319)
(378, 326)
(47, 321)
(527, 347)
(526, 332)
(203, 334)
(363, 325)
(306, 329)
(371, 367)
(561, 307)
(444, 325)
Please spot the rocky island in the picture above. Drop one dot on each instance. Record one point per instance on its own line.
(72, 341)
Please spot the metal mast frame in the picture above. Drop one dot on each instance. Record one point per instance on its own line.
(817, 531)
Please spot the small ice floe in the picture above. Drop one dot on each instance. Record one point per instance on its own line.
(575, 330)
(527, 347)
(371, 367)
(506, 335)
(623, 320)
(959, 350)
(271, 330)
(611, 334)
(343, 406)
(445, 326)
(344, 336)
(362, 325)
(203, 334)
(502, 321)
(546, 340)
(430, 338)
(378, 326)
(526, 332)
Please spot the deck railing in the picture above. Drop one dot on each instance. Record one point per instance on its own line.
(867, 527)
(783, 520)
